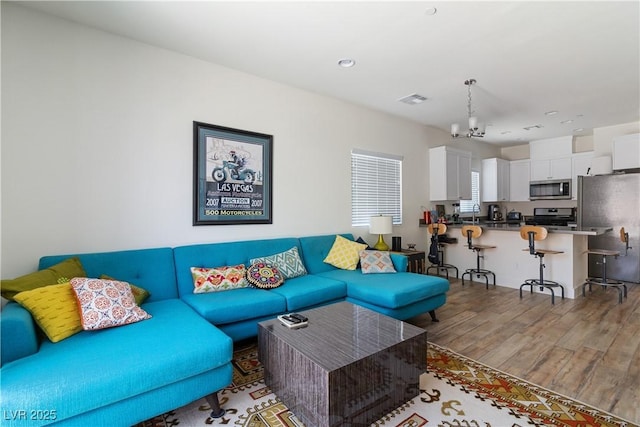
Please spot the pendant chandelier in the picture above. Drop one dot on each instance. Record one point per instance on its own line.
(476, 129)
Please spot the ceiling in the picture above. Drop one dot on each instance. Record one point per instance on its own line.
(580, 59)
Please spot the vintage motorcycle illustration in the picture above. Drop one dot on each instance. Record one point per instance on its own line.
(233, 170)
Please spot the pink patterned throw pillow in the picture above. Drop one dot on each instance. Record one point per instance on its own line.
(219, 278)
(106, 303)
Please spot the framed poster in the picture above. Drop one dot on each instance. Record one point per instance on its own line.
(232, 176)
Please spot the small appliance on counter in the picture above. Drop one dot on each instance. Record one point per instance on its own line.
(514, 217)
(494, 213)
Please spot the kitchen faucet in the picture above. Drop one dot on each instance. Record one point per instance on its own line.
(473, 220)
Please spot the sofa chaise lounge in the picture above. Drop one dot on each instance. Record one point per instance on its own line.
(123, 375)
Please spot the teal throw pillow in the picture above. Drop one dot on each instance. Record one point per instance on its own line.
(288, 263)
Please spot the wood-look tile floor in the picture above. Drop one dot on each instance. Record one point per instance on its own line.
(586, 348)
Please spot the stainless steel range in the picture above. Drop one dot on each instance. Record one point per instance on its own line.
(552, 216)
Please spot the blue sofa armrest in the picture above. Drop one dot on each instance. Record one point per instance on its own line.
(400, 262)
(18, 336)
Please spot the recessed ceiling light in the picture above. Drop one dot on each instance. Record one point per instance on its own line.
(431, 11)
(505, 132)
(565, 122)
(550, 113)
(347, 63)
(533, 127)
(578, 130)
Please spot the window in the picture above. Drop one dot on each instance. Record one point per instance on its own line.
(466, 206)
(376, 186)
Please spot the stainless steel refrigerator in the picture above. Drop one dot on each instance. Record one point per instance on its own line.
(612, 201)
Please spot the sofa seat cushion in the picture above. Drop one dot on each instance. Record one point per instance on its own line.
(308, 291)
(389, 290)
(236, 305)
(93, 369)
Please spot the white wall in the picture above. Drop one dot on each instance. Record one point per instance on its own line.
(97, 145)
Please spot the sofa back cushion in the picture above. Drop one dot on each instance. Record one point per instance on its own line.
(150, 269)
(212, 255)
(315, 249)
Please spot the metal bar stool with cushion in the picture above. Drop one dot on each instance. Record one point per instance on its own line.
(604, 281)
(473, 232)
(532, 233)
(436, 251)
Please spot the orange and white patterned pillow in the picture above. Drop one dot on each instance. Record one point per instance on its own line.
(219, 278)
(376, 262)
(106, 303)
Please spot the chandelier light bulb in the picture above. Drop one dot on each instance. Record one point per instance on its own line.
(455, 129)
(473, 123)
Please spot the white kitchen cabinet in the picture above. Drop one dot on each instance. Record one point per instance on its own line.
(551, 148)
(519, 180)
(495, 180)
(551, 169)
(449, 174)
(626, 152)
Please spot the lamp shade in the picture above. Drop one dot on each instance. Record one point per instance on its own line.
(380, 224)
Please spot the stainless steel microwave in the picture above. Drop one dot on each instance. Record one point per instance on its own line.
(556, 189)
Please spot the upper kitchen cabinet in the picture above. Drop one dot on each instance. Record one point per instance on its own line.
(551, 158)
(542, 170)
(495, 180)
(626, 152)
(449, 174)
(519, 180)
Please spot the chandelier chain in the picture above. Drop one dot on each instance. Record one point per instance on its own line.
(470, 112)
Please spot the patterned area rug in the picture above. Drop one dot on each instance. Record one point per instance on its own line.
(457, 391)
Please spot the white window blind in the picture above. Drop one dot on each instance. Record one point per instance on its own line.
(466, 206)
(376, 186)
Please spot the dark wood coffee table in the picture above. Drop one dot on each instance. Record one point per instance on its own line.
(349, 366)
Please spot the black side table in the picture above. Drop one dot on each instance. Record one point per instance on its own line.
(416, 260)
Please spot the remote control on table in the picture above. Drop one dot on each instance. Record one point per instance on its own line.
(300, 317)
(292, 322)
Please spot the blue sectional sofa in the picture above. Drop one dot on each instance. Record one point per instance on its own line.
(123, 375)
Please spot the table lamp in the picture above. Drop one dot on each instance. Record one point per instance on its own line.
(380, 225)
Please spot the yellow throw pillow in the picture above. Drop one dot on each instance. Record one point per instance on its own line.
(345, 253)
(54, 308)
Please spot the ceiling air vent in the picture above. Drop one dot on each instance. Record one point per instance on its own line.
(413, 99)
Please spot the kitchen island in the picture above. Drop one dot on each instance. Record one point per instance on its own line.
(512, 263)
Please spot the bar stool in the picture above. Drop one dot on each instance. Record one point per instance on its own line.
(473, 232)
(533, 233)
(604, 281)
(437, 230)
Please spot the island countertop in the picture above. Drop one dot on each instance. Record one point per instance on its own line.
(508, 256)
(503, 226)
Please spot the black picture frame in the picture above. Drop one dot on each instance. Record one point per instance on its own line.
(232, 176)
